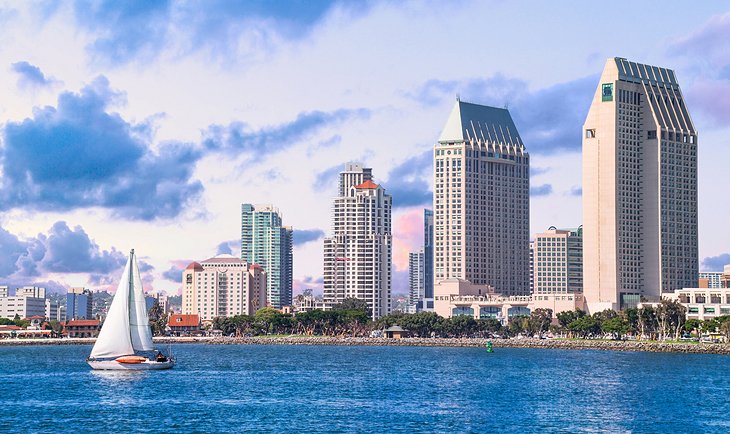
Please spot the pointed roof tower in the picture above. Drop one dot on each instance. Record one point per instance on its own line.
(469, 121)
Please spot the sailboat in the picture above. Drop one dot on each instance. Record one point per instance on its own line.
(126, 331)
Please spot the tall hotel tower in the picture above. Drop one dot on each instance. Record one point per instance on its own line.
(358, 256)
(482, 200)
(639, 188)
(264, 241)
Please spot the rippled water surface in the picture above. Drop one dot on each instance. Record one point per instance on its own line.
(366, 389)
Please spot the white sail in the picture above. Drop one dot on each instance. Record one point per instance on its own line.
(139, 321)
(114, 338)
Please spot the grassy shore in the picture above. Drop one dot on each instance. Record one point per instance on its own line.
(566, 344)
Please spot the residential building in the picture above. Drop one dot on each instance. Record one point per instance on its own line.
(307, 302)
(725, 281)
(54, 311)
(222, 286)
(416, 282)
(710, 279)
(482, 200)
(358, 255)
(558, 261)
(27, 302)
(265, 241)
(639, 188)
(79, 302)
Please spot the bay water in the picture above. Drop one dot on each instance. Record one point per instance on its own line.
(281, 388)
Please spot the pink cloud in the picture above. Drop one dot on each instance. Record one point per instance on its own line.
(407, 236)
(711, 41)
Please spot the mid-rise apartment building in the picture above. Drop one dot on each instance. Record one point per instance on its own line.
(558, 261)
(223, 286)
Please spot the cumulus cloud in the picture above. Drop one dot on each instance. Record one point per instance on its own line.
(408, 181)
(80, 155)
(712, 39)
(126, 32)
(308, 282)
(303, 236)
(240, 138)
(229, 247)
(326, 180)
(716, 263)
(31, 76)
(576, 191)
(541, 190)
(61, 250)
(548, 119)
(174, 273)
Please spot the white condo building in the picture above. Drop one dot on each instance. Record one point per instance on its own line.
(223, 286)
(482, 200)
(358, 255)
(639, 188)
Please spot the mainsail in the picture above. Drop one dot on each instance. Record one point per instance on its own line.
(126, 327)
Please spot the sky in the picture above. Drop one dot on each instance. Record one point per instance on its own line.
(146, 125)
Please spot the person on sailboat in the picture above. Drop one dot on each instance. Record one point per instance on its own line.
(160, 357)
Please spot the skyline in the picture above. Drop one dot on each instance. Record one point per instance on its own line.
(165, 102)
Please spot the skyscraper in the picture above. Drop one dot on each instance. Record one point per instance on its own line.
(558, 261)
(428, 253)
(358, 255)
(264, 241)
(482, 200)
(639, 188)
(416, 284)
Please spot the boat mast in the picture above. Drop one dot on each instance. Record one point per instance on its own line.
(130, 299)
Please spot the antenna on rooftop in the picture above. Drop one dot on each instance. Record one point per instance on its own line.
(458, 98)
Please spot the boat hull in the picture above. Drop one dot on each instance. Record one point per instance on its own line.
(112, 365)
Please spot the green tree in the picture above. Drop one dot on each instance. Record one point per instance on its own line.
(617, 326)
(647, 322)
(585, 326)
(539, 321)
(692, 325)
(670, 316)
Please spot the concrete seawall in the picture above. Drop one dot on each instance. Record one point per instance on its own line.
(654, 347)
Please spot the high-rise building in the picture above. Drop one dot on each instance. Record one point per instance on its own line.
(223, 286)
(266, 242)
(639, 188)
(482, 200)
(712, 279)
(558, 261)
(416, 282)
(358, 255)
(79, 302)
(428, 253)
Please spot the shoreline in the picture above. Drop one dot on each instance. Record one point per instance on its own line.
(563, 344)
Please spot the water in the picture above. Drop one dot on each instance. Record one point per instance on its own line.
(366, 389)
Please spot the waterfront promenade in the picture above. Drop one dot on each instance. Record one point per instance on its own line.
(566, 344)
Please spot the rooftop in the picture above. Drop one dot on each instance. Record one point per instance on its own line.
(369, 185)
(469, 121)
(179, 320)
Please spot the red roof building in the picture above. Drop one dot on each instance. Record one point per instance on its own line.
(82, 328)
(368, 185)
(182, 323)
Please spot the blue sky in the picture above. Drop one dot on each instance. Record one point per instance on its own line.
(146, 124)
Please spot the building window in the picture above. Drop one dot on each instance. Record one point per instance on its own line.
(590, 133)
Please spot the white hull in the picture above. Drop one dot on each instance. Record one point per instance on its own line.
(111, 365)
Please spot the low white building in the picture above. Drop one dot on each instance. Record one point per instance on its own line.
(28, 301)
(454, 297)
(702, 303)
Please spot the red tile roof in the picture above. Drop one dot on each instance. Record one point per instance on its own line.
(367, 185)
(9, 327)
(82, 323)
(256, 266)
(179, 320)
(194, 266)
